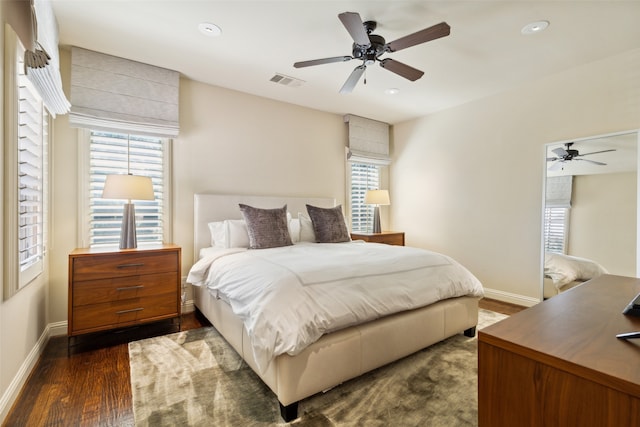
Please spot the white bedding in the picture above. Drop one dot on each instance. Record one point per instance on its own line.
(290, 296)
(565, 269)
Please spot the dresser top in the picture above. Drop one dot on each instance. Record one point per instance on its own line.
(115, 250)
(576, 331)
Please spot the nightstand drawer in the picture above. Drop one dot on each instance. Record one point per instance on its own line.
(88, 318)
(121, 265)
(117, 289)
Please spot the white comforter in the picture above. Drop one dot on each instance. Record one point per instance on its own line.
(289, 297)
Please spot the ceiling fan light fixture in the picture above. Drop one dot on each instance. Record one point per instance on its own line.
(209, 29)
(534, 27)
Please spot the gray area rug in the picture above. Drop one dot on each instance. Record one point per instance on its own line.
(194, 378)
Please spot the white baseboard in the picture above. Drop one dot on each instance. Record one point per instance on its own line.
(11, 393)
(510, 298)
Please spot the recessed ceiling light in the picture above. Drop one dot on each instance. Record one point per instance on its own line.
(392, 91)
(209, 29)
(535, 27)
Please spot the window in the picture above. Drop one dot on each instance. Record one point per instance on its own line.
(119, 153)
(363, 177)
(26, 173)
(556, 225)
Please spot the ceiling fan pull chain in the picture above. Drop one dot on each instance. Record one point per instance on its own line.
(365, 76)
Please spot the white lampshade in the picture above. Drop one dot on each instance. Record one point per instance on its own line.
(129, 187)
(376, 197)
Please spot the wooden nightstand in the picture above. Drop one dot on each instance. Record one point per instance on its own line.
(111, 288)
(388, 237)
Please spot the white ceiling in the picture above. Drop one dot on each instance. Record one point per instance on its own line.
(485, 53)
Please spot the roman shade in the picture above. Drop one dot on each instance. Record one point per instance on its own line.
(558, 194)
(35, 24)
(368, 140)
(112, 93)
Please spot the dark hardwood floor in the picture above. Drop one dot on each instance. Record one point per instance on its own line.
(89, 384)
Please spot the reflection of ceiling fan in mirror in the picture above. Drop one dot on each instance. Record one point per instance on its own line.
(568, 154)
(369, 48)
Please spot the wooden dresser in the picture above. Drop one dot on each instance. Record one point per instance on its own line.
(388, 237)
(110, 289)
(559, 363)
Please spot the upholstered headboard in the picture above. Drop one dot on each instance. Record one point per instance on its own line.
(217, 207)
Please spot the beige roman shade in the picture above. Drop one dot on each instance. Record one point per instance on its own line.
(35, 24)
(112, 93)
(368, 140)
(558, 192)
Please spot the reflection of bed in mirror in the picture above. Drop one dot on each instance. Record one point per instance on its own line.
(600, 222)
(563, 272)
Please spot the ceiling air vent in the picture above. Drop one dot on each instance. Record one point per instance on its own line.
(286, 80)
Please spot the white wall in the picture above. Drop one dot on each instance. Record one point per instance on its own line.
(602, 223)
(468, 181)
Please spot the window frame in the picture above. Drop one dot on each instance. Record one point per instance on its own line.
(84, 208)
(16, 277)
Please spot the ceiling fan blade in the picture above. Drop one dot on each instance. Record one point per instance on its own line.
(435, 32)
(401, 69)
(354, 25)
(596, 152)
(322, 61)
(592, 161)
(353, 79)
(552, 159)
(560, 152)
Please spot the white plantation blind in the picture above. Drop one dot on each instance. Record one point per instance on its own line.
(117, 153)
(116, 94)
(555, 229)
(32, 166)
(368, 140)
(364, 176)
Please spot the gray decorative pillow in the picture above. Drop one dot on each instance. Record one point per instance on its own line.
(267, 228)
(328, 224)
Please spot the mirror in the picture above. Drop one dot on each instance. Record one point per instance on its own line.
(590, 214)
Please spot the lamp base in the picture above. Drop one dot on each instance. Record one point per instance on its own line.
(376, 220)
(128, 239)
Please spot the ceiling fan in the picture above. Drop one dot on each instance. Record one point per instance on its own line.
(370, 47)
(568, 154)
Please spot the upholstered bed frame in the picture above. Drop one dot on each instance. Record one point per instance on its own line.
(336, 357)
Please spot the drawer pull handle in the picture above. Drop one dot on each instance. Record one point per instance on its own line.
(129, 311)
(134, 264)
(129, 288)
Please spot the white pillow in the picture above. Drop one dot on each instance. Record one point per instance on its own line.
(230, 233)
(218, 234)
(237, 234)
(306, 229)
(564, 269)
(294, 229)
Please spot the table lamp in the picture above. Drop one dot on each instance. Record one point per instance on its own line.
(377, 198)
(128, 187)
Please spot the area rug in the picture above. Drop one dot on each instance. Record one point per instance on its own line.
(194, 378)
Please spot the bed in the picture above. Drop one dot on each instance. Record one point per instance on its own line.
(564, 272)
(343, 350)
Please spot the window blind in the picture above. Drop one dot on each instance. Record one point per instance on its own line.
(32, 137)
(116, 94)
(555, 229)
(368, 140)
(364, 176)
(117, 153)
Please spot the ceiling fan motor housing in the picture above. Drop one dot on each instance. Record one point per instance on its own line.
(371, 52)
